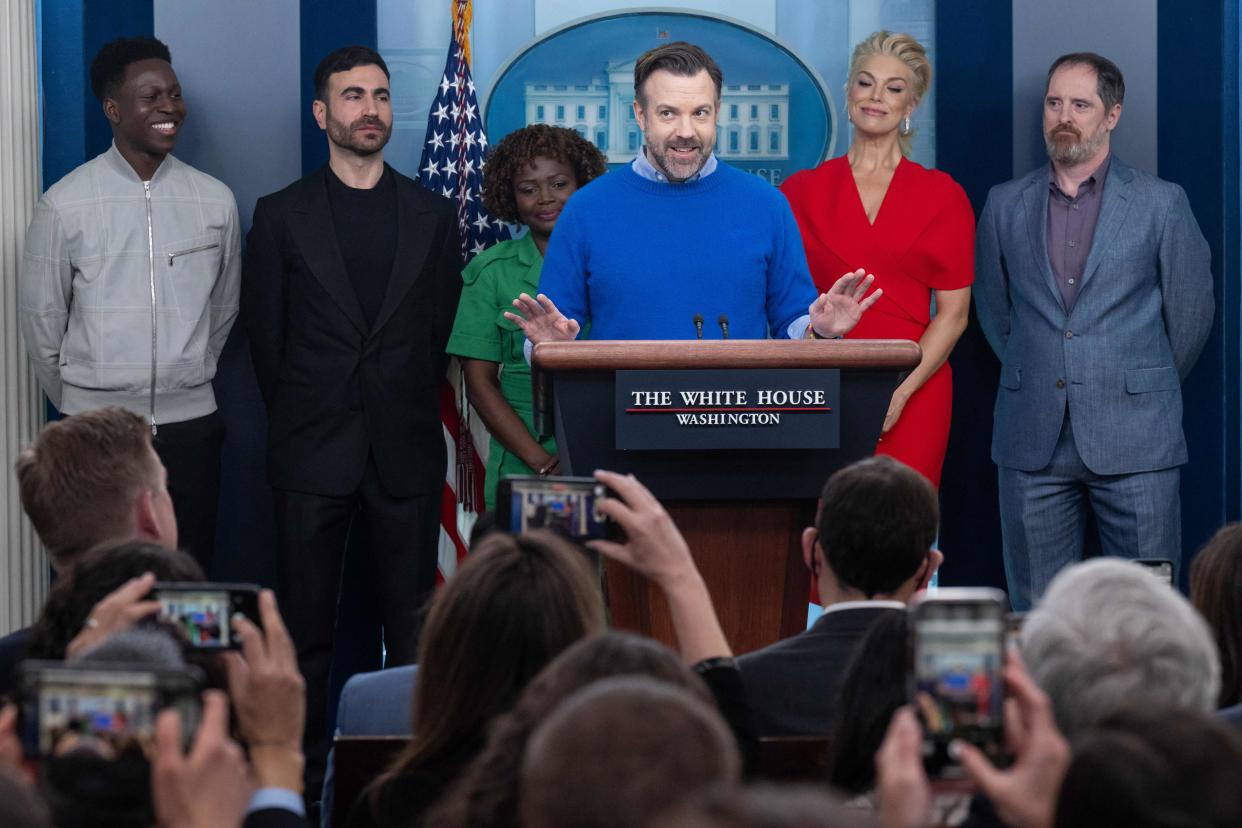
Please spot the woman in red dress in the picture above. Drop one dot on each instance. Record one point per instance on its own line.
(912, 227)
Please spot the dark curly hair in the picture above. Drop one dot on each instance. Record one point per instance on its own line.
(75, 593)
(108, 67)
(522, 146)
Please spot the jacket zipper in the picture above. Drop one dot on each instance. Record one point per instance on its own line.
(199, 249)
(146, 186)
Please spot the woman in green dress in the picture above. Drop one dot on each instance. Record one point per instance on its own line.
(528, 178)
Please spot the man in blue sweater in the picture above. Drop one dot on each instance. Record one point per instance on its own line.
(651, 250)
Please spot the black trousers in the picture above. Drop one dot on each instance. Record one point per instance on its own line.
(190, 451)
(399, 539)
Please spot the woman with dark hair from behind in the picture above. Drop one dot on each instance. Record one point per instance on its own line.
(516, 602)
(1216, 592)
(871, 690)
(486, 795)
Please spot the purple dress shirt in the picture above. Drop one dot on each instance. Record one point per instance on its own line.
(1071, 227)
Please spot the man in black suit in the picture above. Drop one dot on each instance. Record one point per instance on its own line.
(350, 283)
(871, 552)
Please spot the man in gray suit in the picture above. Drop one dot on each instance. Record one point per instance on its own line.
(1093, 286)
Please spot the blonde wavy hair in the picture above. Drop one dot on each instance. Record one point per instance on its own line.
(910, 52)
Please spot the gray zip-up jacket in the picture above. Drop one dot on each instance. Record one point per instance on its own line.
(128, 288)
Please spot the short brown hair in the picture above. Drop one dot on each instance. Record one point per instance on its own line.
(80, 477)
(679, 58)
(620, 752)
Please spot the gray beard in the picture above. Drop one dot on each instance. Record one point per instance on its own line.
(1072, 154)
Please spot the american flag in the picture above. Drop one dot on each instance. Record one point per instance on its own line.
(454, 152)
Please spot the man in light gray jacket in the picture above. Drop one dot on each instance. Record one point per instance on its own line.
(129, 281)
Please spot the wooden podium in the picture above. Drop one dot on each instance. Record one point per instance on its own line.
(742, 511)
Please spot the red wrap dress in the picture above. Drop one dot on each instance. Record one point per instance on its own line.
(923, 239)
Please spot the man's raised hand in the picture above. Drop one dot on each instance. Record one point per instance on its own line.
(836, 312)
(541, 321)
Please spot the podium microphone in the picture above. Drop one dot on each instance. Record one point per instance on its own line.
(724, 325)
(698, 324)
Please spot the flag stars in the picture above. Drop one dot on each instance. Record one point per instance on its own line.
(441, 113)
(430, 169)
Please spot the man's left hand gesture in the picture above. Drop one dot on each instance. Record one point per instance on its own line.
(836, 312)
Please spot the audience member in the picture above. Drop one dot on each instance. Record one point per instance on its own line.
(93, 478)
(1023, 795)
(620, 752)
(514, 605)
(1106, 633)
(105, 593)
(872, 688)
(765, 806)
(1216, 592)
(269, 702)
(487, 794)
(92, 780)
(88, 480)
(1154, 767)
(209, 786)
(871, 551)
(656, 549)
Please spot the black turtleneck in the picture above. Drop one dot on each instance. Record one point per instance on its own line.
(366, 231)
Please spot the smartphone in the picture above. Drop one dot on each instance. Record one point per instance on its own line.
(107, 707)
(1013, 629)
(567, 504)
(955, 681)
(1160, 567)
(204, 611)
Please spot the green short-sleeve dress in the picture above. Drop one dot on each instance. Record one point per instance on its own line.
(493, 279)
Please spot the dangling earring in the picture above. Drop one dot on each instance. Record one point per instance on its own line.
(905, 126)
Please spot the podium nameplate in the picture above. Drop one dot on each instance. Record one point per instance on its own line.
(728, 409)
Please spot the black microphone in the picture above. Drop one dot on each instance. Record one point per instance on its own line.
(698, 324)
(724, 325)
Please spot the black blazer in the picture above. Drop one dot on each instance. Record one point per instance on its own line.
(336, 388)
(792, 685)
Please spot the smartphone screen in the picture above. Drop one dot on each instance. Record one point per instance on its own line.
(204, 611)
(110, 709)
(1013, 629)
(567, 504)
(957, 686)
(1161, 568)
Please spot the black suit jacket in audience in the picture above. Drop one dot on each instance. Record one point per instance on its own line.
(12, 651)
(792, 685)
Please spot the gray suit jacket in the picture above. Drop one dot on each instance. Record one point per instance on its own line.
(1117, 358)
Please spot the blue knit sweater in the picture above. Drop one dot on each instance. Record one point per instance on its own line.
(638, 259)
